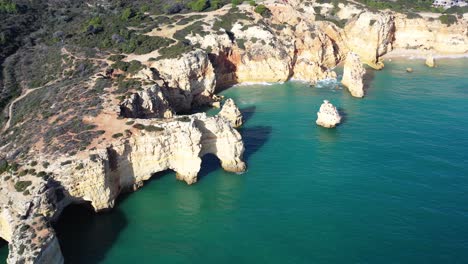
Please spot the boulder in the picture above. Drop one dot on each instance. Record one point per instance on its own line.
(328, 116)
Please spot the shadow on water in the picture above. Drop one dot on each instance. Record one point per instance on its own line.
(86, 237)
(210, 163)
(254, 139)
(248, 112)
(344, 116)
(368, 78)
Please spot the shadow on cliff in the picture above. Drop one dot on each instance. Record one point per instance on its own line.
(86, 236)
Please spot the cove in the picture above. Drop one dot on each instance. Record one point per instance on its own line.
(389, 185)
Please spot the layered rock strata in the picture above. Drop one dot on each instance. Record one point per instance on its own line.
(328, 116)
(101, 176)
(231, 112)
(353, 75)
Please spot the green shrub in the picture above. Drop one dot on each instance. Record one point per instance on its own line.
(129, 123)
(448, 19)
(263, 11)
(120, 65)
(67, 162)
(152, 128)
(236, 2)
(117, 135)
(139, 126)
(116, 57)
(21, 186)
(127, 13)
(8, 7)
(134, 67)
(199, 5)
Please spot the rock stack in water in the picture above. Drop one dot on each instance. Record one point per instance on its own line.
(328, 116)
(430, 62)
(231, 112)
(353, 75)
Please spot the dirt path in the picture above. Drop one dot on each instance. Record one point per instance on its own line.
(12, 105)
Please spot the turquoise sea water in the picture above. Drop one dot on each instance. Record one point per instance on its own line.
(390, 185)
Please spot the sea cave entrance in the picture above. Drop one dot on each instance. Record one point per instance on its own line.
(86, 236)
(3, 250)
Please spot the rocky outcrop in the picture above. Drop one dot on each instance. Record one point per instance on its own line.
(189, 80)
(353, 75)
(328, 116)
(231, 112)
(430, 61)
(101, 175)
(150, 103)
(370, 35)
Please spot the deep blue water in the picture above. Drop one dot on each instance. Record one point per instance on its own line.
(390, 185)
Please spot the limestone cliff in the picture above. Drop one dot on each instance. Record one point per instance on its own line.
(353, 75)
(370, 35)
(149, 103)
(429, 35)
(189, 80)
(99, 176)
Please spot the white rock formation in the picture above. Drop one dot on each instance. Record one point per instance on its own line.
(231, 112)
(150, 103)
(103, 174)
(353, 75)
(328, 116)
(190, 79)
(430, 61)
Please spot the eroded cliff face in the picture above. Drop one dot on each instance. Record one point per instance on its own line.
(429, 35)
(370, 35)
(290, 44)
(99, 176)
(353, 75)
(188, 81)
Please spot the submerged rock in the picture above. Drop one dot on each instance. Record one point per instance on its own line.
(231, 112)
(430, 62)
(353, 75)
(328, 116)
(410, 70)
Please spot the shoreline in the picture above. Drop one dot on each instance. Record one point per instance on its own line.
(419, 54)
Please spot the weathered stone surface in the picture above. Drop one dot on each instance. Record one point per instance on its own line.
(231, 112)
(428, 34)
(150, 103)
(101, 175)
(189, 80)
(353, 75)
(328, 116)
(370, 35)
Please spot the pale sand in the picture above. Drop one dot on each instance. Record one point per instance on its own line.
(420, 54)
